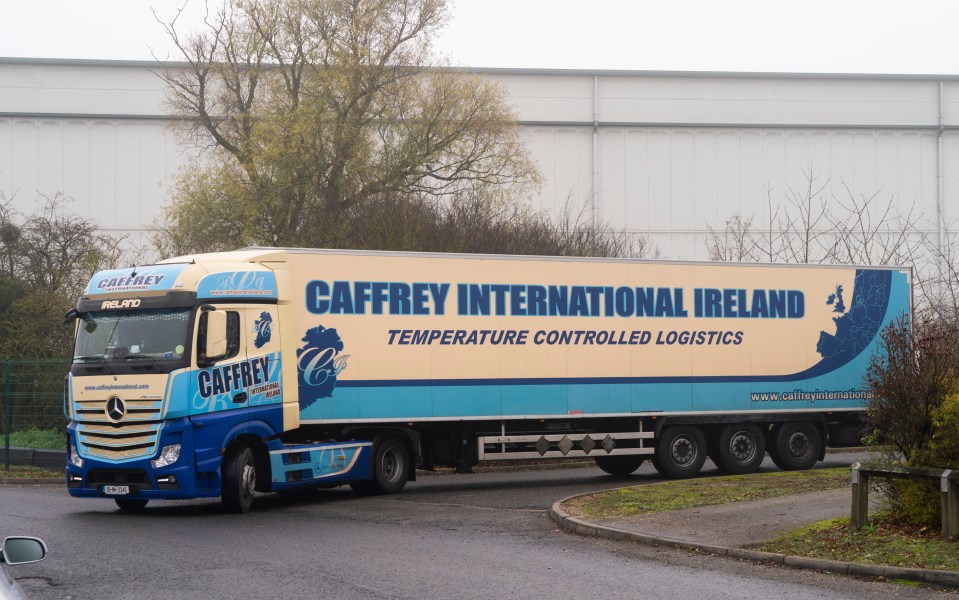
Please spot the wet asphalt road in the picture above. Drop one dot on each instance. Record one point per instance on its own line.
(484, 535)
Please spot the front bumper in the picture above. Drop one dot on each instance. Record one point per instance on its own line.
(177, 481)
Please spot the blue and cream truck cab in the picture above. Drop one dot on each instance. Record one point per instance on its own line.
(263, 370)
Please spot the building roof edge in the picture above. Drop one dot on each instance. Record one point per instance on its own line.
(530, 71)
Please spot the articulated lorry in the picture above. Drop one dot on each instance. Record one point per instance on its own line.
(264, 369)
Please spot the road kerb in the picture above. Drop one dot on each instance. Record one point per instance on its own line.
(583, 527)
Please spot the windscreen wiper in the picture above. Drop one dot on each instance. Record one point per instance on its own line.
(98, 357)
(152, 360)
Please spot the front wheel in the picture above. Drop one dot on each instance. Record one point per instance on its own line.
(795, 446)
(619, 466)
(681, 452)
(239, 481)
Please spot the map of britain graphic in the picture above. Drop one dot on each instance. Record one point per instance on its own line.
(856, 326)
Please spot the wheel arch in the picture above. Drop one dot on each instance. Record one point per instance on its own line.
(261, 456)
(378, 435)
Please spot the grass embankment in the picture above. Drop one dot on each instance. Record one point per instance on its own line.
(706, 491)
(883, 542)
(39, 439)
(16, 472)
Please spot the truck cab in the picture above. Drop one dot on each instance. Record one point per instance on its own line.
(177, 368)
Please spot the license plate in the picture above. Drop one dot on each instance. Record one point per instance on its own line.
(116, 490)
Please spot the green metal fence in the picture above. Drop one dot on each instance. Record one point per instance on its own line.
(32, 405)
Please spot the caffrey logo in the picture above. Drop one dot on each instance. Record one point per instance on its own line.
(138, 282)
(262, 329)
(318, 363)
(138, 279)
(233, 377)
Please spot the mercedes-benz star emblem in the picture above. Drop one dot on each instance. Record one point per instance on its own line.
(116, 408)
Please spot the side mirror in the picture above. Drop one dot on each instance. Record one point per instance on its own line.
(71, 316)
(21, 550)
(215, 342)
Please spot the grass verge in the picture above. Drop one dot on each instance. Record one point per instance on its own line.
(706, 491)
(30, 473)
(40, 439)
(884, 541)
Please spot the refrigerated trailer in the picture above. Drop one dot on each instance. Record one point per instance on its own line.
(270, 369)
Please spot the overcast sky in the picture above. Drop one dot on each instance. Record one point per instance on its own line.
(818, 36)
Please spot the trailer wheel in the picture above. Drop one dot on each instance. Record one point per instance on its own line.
(619, 466)
(741, 449)
(796, 446)
(681, 451)
(239, 480)
(130, 504)
(391, 467)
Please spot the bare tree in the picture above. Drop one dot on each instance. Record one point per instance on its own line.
(813, 225)
(937, 273)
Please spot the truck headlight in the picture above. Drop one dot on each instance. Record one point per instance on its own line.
(75, 457)
(168, 456)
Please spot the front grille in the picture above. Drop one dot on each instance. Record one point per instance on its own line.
(135, 436)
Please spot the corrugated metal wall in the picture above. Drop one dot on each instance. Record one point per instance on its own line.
(671, 183)
(115, 171)
(677, 153)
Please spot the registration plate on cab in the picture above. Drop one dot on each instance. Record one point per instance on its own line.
(116, 490)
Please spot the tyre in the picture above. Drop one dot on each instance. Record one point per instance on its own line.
(681, 451)
(712, 450)
(740, 449)
(846, 435)
(657, 464)
(239, 481)
(130, 504)
(795, 446)
(391, 468)
(619, 466)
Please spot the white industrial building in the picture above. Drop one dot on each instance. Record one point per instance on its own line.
(659, 153)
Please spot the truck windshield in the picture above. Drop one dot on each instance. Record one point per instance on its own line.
(126, 336)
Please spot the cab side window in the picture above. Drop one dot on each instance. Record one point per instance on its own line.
(232, 335)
